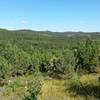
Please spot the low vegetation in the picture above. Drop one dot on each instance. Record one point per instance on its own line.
(31, 61)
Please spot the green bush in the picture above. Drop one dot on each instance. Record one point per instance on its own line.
(5, 68)
(34, 85)
(86, 56)
(19, 59)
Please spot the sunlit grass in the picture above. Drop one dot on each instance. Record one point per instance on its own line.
(87, 87)
(54, 89)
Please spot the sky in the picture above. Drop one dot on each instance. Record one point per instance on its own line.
(51, 15)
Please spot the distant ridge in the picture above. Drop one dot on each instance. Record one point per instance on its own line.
(50, 33)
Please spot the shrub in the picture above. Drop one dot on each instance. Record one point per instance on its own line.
(86, 56)
(56, 66)
(34, 85)
(5, 68)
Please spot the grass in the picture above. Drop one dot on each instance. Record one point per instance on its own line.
(55, 89)
(16, 88)
(86, 87)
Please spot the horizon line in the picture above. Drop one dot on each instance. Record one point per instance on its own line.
(29, 29)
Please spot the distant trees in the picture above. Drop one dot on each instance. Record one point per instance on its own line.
(21, 61)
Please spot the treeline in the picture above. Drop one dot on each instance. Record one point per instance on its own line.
(27, 53)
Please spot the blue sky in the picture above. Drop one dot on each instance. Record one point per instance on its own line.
(53, 15)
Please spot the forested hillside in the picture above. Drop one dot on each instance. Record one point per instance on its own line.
(29, 58)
